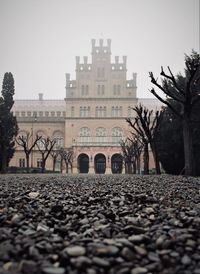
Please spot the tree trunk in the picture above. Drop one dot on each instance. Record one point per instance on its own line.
(155, 158)
(4, 160)
(67, 168)
(134, 167)
(61, 165)
(138, 164)
(146, 158)
(54, 164)
(27, 163)
(188, 146)
(43, 164)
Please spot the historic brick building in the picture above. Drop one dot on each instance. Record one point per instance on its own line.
(91, 119)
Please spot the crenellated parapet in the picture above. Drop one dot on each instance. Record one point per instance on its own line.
(119, 65)
(100, 48)
(132, 82)
(85, 66)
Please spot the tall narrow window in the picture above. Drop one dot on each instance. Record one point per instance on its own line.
(102, 90)
(22, 162)
(102, 72)
(100, 135)
(98, 89)
(84, 135)
(129, 112)
(82, 90)
(118, 90)
(117, 134)
(87, 90)
(114, 89)
(72, 111)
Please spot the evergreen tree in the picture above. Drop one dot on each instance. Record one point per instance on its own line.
(187, 95)
(169, 140)
(8, 122)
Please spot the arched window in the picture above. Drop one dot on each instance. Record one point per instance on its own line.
(100, 135)
(40, 142)
(58, 137)
(117, 134)
(85, 135)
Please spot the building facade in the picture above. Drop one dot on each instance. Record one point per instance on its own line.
(91, 119)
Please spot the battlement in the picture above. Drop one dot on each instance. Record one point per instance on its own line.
(100, 48)
(85, 66)
(119, 65)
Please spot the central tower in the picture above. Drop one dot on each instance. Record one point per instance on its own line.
(97, 103)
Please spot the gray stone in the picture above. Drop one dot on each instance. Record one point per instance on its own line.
(186, 260)
(100, 262)
(53, 270)
(75, 251)
(139, 270)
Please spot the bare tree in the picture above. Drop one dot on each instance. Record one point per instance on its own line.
(45, 148)
(27, 143)
(67, 156)
(128, 156)
(131, 151)
(137, 147)
(55, 154)
(187, 96)
(146, 124)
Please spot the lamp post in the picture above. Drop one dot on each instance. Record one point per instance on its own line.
(34, 119)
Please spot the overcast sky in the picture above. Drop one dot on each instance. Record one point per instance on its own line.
(40, 39)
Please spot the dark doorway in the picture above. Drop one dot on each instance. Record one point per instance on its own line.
(116, 163)
(83, 163)
(100, 164)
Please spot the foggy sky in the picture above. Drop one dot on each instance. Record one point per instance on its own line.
(40, 39)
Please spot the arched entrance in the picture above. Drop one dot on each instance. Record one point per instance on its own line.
(100, 163)
(116, 163)
(83, 163)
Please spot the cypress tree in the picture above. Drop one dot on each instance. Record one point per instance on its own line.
(8, 122)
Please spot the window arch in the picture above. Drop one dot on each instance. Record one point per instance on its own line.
(58, 137)
(85, 135)
(117, 134)
(40, 142)
(100, 135)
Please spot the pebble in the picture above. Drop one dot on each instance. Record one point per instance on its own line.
(139, 270)
(75, 251)
(100, 262)
(58, 224)
(186, 260)
(53, 270)
(33, 195)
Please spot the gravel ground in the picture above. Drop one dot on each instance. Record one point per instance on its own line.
(99, 224)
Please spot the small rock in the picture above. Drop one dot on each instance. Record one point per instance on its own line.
(139, 270)
(137, 238)
(33, 194)
(186, 260)
(53, 270)
(127, 254)
(75, 251)
(100, 262)
(140, 250)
